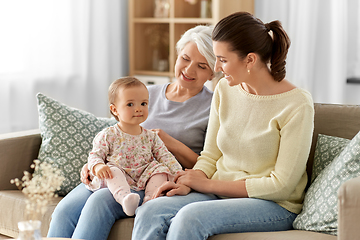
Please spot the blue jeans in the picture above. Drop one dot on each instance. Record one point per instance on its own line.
(199, 216)
(84, 214)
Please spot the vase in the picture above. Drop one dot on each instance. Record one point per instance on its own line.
(205, 9)
(29, 230)
(162, 8)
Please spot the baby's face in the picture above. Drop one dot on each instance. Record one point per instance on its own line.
(132, 104)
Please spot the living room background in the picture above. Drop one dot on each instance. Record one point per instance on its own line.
(72, 50)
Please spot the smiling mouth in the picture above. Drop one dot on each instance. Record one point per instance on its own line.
(226, 75)
(187, 77)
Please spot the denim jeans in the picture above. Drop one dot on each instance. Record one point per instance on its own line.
(199, 216)
(84, 214)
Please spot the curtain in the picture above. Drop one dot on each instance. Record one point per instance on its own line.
(68, 50)
(325, 45)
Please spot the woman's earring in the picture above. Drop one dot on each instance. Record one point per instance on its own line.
(248, 71)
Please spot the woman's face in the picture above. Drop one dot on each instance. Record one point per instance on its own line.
(228, 62)
(191, 68)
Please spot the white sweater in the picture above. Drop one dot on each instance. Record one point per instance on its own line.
(263, 139)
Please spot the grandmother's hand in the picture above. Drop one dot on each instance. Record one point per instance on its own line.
(170, 189)
(85, 174)
(166, 138)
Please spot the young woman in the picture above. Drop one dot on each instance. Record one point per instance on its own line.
(178, 112)
(251, 174)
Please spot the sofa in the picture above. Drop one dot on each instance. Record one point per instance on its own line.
(18, 150)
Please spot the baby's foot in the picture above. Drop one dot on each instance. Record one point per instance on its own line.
(130, 203)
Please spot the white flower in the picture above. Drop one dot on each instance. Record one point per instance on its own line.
(39, 187)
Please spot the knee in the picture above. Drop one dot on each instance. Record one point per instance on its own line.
(60, 212)
(148, 208)
(189, 215)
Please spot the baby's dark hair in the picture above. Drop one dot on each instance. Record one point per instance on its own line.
(124, 82)
(248, 34)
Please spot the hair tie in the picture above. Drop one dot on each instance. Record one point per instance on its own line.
(267, 27)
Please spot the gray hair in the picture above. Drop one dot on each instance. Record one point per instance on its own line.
(201, 36)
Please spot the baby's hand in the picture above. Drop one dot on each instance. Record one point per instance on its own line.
(102, 171)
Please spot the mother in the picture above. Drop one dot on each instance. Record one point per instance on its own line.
(178, 111)
(251, 174)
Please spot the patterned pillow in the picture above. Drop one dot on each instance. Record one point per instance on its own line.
(320, 211)
(327, 149)
(67, 135)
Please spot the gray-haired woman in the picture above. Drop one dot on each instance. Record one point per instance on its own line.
(178, 112)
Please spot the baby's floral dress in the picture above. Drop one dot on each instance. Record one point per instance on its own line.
(138, 156)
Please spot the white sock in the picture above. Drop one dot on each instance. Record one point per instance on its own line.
(129, 203)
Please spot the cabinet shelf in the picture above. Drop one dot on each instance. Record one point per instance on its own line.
(152, 40)
(174, 20)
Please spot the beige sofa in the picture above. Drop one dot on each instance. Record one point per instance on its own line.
(17, 150)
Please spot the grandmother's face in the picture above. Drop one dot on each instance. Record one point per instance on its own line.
(191, 68)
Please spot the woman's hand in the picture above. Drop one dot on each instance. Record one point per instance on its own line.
(84, 175)
(170, 189)
(166, 138)
(195, 179)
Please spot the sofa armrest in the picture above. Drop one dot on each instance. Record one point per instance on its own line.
(349, 210)
(17, 151)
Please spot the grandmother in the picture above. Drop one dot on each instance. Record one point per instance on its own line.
(178, 112)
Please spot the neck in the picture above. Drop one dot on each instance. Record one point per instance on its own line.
(132, 129)
(177, 93)
(261, 82)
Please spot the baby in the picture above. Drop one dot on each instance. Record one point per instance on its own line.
(127, 156)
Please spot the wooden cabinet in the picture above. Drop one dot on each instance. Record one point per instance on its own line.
(152, 39)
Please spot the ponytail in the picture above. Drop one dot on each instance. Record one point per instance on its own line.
(280, 47)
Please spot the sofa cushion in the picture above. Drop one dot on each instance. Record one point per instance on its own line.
(320, 204)
(67, 135)
(327, 148)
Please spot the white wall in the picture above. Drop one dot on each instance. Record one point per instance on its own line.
(325, 36)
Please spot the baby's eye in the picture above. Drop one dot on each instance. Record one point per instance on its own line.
(144, 104)
(130, 104)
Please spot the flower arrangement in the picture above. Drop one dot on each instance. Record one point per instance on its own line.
(40, 187)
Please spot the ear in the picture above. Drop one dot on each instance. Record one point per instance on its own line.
(113, 109)
(251, 59)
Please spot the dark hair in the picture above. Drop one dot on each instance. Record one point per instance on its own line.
(248, 34)
(124, 82)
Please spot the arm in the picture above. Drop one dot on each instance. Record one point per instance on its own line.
(162, 154)
(98, 154)
(198, 181)
(288, 177)
(182, 153)
(211, 153)
(349, 209)
(18, 150)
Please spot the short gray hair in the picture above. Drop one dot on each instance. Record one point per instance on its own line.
(201, 36)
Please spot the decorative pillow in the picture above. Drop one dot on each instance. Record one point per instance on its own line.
(327, 149)
(67, 135)
(320, 211)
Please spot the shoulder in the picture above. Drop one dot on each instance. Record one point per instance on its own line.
(148, 133)
(156, 88)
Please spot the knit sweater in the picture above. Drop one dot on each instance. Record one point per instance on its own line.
(263, 139)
